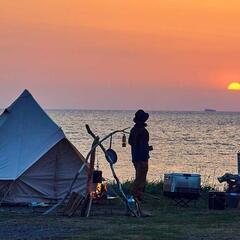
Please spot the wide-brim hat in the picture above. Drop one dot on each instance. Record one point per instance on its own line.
(141, 116)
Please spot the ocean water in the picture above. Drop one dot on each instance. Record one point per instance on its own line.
(192, 142)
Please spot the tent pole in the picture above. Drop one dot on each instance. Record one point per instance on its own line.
(90, 176)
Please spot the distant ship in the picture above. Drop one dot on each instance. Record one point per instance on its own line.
(209, 110)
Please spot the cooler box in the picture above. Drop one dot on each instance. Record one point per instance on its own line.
(233, 200)
(183, 185)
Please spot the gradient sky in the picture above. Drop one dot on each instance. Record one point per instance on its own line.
(121, 54)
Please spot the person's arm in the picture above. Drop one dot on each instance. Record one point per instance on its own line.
(146, 140)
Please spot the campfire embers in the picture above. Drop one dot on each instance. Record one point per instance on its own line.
(101, 191)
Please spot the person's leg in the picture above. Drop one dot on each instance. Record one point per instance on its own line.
(141, 169)
(136, 183)
(142, 178)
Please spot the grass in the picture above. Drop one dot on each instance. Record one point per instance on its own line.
(168, 222)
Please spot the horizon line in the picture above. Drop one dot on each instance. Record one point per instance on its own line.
(131, 110)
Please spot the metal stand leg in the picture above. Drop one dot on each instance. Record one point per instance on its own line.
(182, 202)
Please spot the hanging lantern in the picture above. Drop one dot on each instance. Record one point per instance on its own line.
(97, 176)
(124, 140)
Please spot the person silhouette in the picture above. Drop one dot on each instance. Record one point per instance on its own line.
(139, 141)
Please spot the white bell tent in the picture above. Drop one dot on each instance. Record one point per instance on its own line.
(37, 161)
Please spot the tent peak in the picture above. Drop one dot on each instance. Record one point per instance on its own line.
(26, 133)
(25, 93)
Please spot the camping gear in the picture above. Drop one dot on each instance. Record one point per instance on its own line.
(91, 154)
(87, 200)
(182, 185)
(132, 203)
(233, 181)
(182, 188)
(97, 176)
(216, 200)
(111, 156)
(73, 204)
(37, 161)
(124, 140)
(232, 200)
(111, 159)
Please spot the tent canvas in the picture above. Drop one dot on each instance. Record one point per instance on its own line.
(37, 161)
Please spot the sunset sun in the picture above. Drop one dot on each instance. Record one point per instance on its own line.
(234, 86)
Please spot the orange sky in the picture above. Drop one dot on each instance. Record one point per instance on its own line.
(112, 54)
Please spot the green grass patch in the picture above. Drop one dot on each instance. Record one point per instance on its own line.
(168, 222)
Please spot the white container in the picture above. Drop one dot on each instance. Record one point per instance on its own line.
(182, 183)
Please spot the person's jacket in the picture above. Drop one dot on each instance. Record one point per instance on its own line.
(138, 139)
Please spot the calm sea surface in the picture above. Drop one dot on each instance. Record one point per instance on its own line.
(194, 142)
